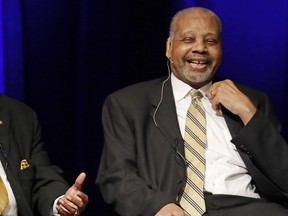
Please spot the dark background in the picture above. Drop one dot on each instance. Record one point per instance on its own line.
(63, 57)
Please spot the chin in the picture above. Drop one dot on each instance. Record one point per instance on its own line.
(199, 80)
(203, 78)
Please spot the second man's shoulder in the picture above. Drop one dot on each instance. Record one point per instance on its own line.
(14, 106)
(141, 88)
(136, 95)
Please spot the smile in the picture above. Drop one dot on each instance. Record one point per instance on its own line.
(198, 65)
(198, 62)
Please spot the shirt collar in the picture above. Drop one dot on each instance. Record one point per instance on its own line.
(182, 89)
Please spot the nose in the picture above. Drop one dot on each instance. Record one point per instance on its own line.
(199, 46)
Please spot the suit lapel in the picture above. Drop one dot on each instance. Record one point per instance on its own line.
(165, 118)
(12, 168)
(234, 123)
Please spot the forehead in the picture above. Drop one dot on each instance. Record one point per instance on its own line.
(197, 22)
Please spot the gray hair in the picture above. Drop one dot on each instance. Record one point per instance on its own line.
(191, 10)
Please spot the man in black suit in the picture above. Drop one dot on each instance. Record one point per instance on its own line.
(33, 186)
(143, 165)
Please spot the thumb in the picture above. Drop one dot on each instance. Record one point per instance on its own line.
(79, 181)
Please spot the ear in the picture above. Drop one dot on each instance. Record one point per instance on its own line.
(168, 48)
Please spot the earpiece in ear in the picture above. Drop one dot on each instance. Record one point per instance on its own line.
(168, 49)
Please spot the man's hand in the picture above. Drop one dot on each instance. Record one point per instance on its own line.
(171, 209)
(225, 93)
(74, 201)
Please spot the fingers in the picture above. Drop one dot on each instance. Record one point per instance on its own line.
(170, 209)
(74, 201)
(84, 198)
(80, 200)
(215, 102)
(225, 93)
(63, 212)
(72, 205)
(66, 207)
(79, 181)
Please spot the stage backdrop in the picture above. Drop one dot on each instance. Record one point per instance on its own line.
(63, 57)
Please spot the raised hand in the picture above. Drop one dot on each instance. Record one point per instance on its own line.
(74, 201)
(225, 93)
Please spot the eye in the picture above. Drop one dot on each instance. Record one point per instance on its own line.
(188, 40)
(211, 41)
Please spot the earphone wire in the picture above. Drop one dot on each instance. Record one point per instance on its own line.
(161, 94)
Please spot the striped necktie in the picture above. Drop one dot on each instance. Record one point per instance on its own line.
(3, 196)
(191, 196)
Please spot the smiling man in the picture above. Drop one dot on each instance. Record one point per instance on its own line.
(195, 48)
(187, 145)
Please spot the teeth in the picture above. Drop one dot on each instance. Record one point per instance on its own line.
(197, 62)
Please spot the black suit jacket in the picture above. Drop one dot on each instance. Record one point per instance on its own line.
(141, 169)
(36, 187)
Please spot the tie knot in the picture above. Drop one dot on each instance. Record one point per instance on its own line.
(195, 94)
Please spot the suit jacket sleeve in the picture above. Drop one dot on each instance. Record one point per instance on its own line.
(262, 142)
(49, 182)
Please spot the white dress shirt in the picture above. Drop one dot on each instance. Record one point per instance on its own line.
(11, 208)
(225, 171)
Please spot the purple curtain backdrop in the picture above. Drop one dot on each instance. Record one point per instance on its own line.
(62, 57)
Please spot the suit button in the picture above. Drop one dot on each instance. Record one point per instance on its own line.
(248, 153)
(179, 181)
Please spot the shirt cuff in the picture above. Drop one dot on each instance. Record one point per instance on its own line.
(54, 211)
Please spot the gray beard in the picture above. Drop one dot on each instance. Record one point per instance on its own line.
(196, 79)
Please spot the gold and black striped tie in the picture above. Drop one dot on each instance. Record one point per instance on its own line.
(191, 196)
(3, 196)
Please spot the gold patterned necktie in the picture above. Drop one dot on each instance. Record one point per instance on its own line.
(191, 195)
(3, 196)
